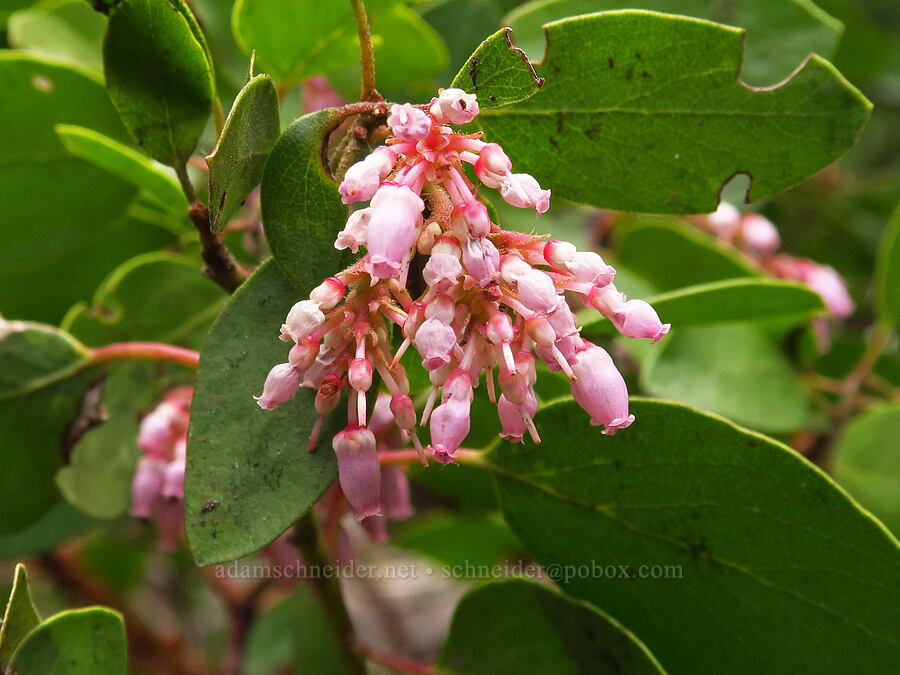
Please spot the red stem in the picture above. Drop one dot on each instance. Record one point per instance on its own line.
(395, 662)
(153, 351)
(400, 457)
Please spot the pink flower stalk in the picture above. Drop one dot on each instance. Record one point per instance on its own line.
(157, 488)
(492, 299)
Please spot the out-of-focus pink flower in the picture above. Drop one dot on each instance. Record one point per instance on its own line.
(759, 234)
(724, 221)
(318, 94)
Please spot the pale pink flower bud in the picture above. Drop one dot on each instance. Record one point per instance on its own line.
(522, 190)
(558, 253)
(825, 281)
(599, 388)
(363, 178)
(441, 308)
(539, 329)
(303, 354)
(512, 267)
(408, 122)
(281, 384)
(637, 319)
(449, 427)
(393, 229)
(492, 165)
(562, 320)
(395, 499)
(512, 416)
(588, 267)
(471, 220)
(537, 292)
(404, 413)
(435, 341)
(725, 220)
(382, 419)
(442, 271)
(173, 484)
(355, 231)
(329, 293)
(481, 260)
(146, 486)
(447, 245)
(500, 328)
(157, 432)
(459, 385)
(358, 470)
(454, 106)
(304, 317)
(607, 300)
(359, 374)
(759, 234)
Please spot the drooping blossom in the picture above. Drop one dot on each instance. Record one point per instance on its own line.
(158, 485)
(757, 237)
(493, 299)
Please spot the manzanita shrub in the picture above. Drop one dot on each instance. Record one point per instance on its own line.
(459, 336)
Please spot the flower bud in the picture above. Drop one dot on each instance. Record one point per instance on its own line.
(512, 416)
(403, 410)
(328, 394)
(358, 470)
(759, 234)
(355, 231)
(303, 354)
(435, 341)
(450, 423)
(281, 385)
(454, 106)
(557, 253)
(359, 374)
(408, 123)
(537, 292)
(492, 165)
(329, 293)
(522, 190)
(481, 260)
(363, 178)
(598, 387)
(539, 329)
(588, 267)
(304, 317)
(637, 319)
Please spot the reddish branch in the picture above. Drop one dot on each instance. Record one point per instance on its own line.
(152, 351)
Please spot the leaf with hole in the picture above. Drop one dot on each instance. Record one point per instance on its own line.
(652, 117)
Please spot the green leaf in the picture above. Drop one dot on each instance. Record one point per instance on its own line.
(741, 556)
(88, 641)
(780, 33)
(45, 534)
(124, 162)
(301, 208)
(159, 76)
(730, 301)
(671, 254)
(249, 475)
(653, 118)
(457, 540)
(78, 231)
(160, 297)
(295, 631)
(68, 31)
(498, 72)
(867, 462)
(19, 618)
(521, 627)
(236, 165)
(889, 272)
(41, 388)
(732, 369)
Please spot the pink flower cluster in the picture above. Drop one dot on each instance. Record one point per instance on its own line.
(491, 297)
(758, 238)
(158, 485)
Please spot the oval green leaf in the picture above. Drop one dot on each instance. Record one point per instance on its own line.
(653, 118)
(88, 641)
(301, 208)
(739, 555)
(867, 462)
(249, 475)
(236, 165)
(68, 31)
(41, 388)
(19, 618)
(519, 627)
(124, 162)
(735, 370)
(158, 76)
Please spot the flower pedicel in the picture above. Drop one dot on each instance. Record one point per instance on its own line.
(492, 296)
